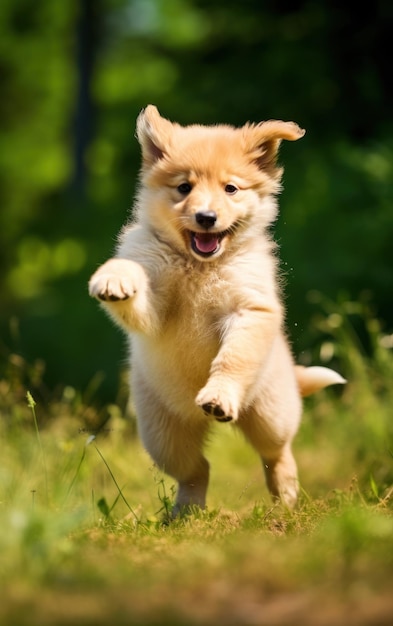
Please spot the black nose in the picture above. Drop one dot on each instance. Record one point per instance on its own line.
(206, 219)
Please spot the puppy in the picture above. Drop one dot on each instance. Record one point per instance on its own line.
(194, 285)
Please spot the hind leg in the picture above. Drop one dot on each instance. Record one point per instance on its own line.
(177, 449)
(175, 445)
(281, 476)
(272, 438)
(278, 462)
(193, 487)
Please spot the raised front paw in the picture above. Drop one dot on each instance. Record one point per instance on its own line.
(219, 402)
(216, 409)
(114, 281)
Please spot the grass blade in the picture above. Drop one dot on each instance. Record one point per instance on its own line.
(117, 486)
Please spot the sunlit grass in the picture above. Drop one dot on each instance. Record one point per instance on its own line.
(82, 509)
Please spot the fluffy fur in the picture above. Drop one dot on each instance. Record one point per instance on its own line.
(193, 283)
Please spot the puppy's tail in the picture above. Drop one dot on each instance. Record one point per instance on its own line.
(312, 379)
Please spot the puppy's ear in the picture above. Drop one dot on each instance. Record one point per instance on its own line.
(263, 141)
(153, 133)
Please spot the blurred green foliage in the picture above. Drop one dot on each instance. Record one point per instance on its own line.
(74, 76)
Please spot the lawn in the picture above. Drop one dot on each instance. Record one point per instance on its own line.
(83, 536)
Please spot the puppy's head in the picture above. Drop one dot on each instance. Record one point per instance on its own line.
(205, 187)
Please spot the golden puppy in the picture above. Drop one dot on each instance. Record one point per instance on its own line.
(193, 283)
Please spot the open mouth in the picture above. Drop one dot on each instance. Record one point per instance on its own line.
(207, 244)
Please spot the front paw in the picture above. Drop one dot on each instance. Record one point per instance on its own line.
(219, 402)
(114, 281)
(211, 408)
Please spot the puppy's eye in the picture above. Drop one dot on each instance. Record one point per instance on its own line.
(230, 189)
(184, 188)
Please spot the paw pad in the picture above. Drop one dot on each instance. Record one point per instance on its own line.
(105, 297)
(216, 410)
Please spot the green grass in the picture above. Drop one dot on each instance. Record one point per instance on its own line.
(82, 539)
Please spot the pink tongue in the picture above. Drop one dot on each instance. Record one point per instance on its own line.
(206, 243)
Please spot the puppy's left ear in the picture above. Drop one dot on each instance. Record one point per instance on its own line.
(263, 140)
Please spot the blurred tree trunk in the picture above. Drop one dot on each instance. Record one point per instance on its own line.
(86, 46)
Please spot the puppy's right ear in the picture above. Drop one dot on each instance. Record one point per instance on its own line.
(154, 134)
